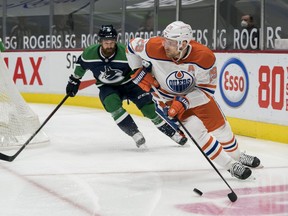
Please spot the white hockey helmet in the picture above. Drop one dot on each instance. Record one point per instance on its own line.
(178, 31)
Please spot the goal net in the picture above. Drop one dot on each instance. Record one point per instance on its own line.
(18, 122)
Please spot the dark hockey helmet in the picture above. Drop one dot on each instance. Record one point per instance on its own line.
(107, 32)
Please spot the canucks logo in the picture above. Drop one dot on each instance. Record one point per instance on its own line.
(179, 81)
(110, 75)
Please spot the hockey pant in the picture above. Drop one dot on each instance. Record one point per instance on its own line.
(212, 132)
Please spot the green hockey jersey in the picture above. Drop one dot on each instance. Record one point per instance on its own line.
(114, 70)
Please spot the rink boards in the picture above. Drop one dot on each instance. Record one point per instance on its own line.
(252, 87)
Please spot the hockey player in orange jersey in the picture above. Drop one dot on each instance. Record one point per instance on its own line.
(185, 74)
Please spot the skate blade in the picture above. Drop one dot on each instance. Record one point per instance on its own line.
(143, 147)
(259, 167)
(186, 145)
(251, 178)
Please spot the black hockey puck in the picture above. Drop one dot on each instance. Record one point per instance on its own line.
(198, 191)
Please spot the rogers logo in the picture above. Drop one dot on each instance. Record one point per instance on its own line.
(234, 82)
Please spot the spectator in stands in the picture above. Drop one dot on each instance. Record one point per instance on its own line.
(62, 26)
(247, 22)
(19, 31)
(148, 24)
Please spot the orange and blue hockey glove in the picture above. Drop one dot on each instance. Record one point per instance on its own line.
(179, 105)
(143, 77)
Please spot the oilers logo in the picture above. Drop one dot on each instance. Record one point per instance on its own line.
(179, 81)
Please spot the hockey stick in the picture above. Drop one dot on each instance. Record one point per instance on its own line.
(232, 196)
(12, 157)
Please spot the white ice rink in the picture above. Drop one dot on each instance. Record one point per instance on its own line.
(91, 168)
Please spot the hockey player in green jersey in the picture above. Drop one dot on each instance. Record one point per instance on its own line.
(107, 60)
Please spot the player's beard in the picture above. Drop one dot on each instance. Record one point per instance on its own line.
(107, 52)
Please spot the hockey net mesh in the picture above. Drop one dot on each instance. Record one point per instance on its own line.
(18, 122)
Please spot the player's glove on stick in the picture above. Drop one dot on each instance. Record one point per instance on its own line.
(143, 77)
(72, 86)
(179, 105)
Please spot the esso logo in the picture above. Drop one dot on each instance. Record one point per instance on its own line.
(234, 82)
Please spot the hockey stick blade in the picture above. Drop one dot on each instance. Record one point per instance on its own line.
(12, 157)
(6, 157)
(232, 196)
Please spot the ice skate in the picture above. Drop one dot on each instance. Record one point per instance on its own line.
(239, 171)
(179, 138)
(139, 139)
(250, 161)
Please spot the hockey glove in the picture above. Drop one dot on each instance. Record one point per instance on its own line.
(143, 77)
(179, 105)
(72, 86)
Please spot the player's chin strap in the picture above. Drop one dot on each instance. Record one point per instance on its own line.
(232, 196)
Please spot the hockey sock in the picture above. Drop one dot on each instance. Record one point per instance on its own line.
(228, 141)
(216, 153)
(148, 111)
(231, 148)
(163, 126)
(125, 122)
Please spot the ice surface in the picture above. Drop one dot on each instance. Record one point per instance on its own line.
(92, 168)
